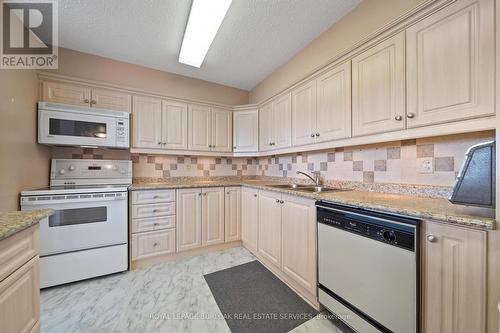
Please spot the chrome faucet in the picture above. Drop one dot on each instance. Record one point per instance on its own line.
(316, 179)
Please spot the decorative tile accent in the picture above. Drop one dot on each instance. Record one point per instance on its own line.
(347, 155)
(411, 142)
(323, 166)
(380, 165)
(393, 153)
(368, 177)
(158, 166)
(151, 159)
(166, 174)
(180, 160)
(194, 160)
(173, 166)
(444, 163)
(294, 159)
(310, 166)
(357, 166)
(425, 151)
(331, 157)
(218, 161)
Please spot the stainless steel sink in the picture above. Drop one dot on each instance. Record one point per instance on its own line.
(305, 188)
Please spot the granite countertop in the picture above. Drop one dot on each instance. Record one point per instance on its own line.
(420, 207)
(13, 222)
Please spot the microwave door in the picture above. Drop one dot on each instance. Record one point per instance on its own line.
(62, 128)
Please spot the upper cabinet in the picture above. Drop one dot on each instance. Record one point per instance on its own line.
(275, 123)
(321, 109)
(81, 95)
(378, 88)
(246, 131)
(159, 124)
(450, 62)
(209, 129)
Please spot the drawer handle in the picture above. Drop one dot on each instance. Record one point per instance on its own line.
(255, 195)
(156, 210)
(432, 239)
(156, 223)
(156, 197)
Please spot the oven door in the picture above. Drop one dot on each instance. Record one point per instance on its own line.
(72, 128)
(80, 224)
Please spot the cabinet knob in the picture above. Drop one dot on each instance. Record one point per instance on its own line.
(155, 244)
(199, 194)
(317, 134)
(432, 239)
(255, 195)
(86, 101)
(410, 115)
(92, 102)
(155, 210)
(155, 224)
(282, 202)
(398, 118)
(159, 143)
(234, 147)
(277, 200)
(227, 192)
(312, 135)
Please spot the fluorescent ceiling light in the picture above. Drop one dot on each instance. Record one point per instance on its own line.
(204, 21)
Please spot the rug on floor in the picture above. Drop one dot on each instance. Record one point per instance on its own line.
(252, 299)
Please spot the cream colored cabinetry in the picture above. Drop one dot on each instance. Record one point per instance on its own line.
(246, 131)
(146, 122)
(152, 223)
(209, 129)
(232, 216)
(159, 124)
(287, 239)
(20, 282)
(450, 56)
(321, 108)
(333, 113)
(299, 241)
(249, 218)
(304, 114)
(269, 241)
(275, 123)
(212, 218)
(82, 95)
(454, 279)
(378, 88)
(200, 217)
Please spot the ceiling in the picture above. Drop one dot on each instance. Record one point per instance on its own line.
(255, 38)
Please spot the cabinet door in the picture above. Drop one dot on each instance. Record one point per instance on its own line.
(454, 279)
(232, 214)
(20, 298)
(246, 131)
(304, 114)
(266, 127)
(299, 241)
(65, 93)
(333, 114)
(199, 128)
(269, 242)
(212, 226)
(249, 218)
(111, 100)
(282, 122)
(146, 122)
(188, 219)
(174, 125)
(222, 130)
(378, 88)
(450, 64)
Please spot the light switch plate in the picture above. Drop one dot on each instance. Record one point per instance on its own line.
(425, 165)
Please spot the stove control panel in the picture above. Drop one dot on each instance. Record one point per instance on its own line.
(84, 172)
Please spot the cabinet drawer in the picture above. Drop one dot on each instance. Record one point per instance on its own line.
(17, 250)
(153, 210)
(150, 197)
(149, 244)
(153, 223)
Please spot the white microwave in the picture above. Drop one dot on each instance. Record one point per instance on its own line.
(67, 125)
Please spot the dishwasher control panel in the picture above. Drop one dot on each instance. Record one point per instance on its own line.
(380, 229)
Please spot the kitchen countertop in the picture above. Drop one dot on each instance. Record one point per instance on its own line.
(13, 222)
(414, 206)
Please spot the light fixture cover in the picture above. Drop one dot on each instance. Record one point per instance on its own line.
(204, 21)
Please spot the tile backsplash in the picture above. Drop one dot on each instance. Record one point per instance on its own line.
(390, 162)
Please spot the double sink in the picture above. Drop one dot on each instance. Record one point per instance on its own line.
(305, 188)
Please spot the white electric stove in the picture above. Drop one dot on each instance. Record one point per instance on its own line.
(88, 234)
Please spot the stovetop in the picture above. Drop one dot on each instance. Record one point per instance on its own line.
(73, 189)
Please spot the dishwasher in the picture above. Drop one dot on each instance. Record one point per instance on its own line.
(368, 268)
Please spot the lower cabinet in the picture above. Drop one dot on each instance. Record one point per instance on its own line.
(249, 218)
(232, 214)
(286, 238)
(200, 217)
(454, 279)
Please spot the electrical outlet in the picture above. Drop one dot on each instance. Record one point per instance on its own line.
(425, 165)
